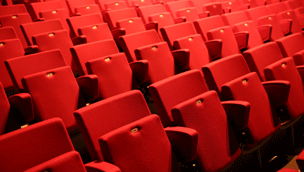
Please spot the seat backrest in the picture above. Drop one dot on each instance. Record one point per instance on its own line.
(229, 43)
(56, 40)
(254, 38)
(206, 115)
(162, 19)
(98, 32)
(234, 18)
(86, 52)
(22, 66)
(145, 11)
(55, 93)
(262, 122)
(259, 57)
(12, 9)
(10, 48)
(87, 9)
(35, 28)
(203, 25)
(5, 109)
(224, 70)
(86, 20)
(107, 115)
(73, 4)
(171, 91)
(285, 69)
(132, 41)
(131, 25)
(112, 4)
(7, 33)
(34, 145)
(45, 6)
(152, 154)
(113, 16)
(199, 55)
(214, 8)
(174, 6)
(160, 60)
(114, 74)
(290, 45)
(15, 20)
(172, 33)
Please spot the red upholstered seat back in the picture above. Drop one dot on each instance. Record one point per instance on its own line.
(55, 93)
(249, 88)
(34, 145)
(114, 74)
(5, 109)
(146, 11)
(174, 90)
(285, 69)
(217, 145)
(113, 16)
(86, 52)
(160, 60)
(203, 25)
(145, 140)
(224, 70)
(29, 64)
(98, 32)
(10, 48)
(7, 32)
(109, 114)
(259, 57)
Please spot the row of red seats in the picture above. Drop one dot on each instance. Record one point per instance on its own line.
(146, 51)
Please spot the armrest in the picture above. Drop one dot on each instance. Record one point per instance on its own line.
(277, 91)
(179, 20)
(140, 71)
(22, 104)
(214, 48)
(242, 39)
(79, 40)
(301, 72)
(265, 32)
(299, 58)
(88, 85)
(184, 142)
(286, 26)
(181, 59)
(117, 33)
(238, 113)
(203, 14)
(98, 166)
(152, 25)
(31, 49)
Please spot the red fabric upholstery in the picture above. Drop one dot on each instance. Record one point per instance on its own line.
(55, 93)
(86, 52)
(229, 43)
(109, 114)
(160, 61)
(131, 25)
(35, 28)
(174, 90)
(172, 32)
(7, 32)
(203, 25)
(97, 32)
(261, 123)
(146, 11)
(87, 9)
(11, 48)
(224, 70)
(113, 16)
(5, 109)
(73, 4)
(235, 18)
(285, 69)
(217, 145)
(114, 74)
(26, 65)
(259, 57)
(132, 41)
(34, 145)
(12, 9)
(174, 6)
(36, 8)
(112, 4)
(293, 46)
(56, 40)
(138, 146)
(199, 55)
(77, 22)
(214, 8)
(15, 21)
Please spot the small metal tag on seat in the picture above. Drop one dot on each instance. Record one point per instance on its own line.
(199, 101)
(244, 81)
(1, 43)
(134, 130)
(107, 59)
(283, 64)
(50, 74)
